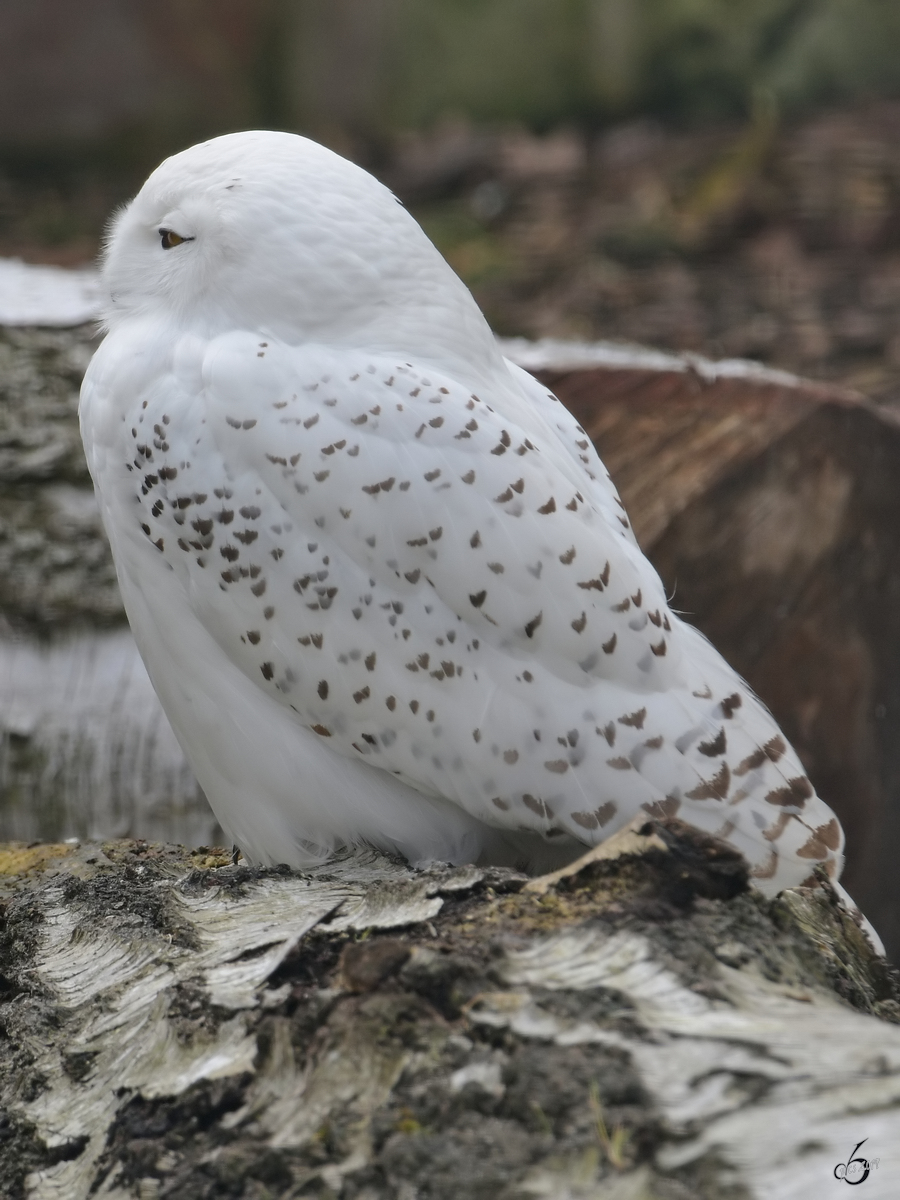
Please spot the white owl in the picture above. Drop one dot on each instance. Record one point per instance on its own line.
(381, 581)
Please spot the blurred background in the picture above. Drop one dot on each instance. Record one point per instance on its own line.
(712, 175)
(720, 177)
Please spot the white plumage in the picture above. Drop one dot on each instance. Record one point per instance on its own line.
(382, 583)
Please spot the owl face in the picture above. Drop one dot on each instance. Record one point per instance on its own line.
(164, 253)
(269, 230)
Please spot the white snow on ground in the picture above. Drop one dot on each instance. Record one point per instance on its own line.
(31, 295)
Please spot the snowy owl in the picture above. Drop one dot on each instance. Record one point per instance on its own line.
(381, 580)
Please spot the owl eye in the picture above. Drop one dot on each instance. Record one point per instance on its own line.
(170, 238)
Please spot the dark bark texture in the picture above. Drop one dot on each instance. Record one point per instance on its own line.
(638, 1027)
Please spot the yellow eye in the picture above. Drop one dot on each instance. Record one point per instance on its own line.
(170, 239)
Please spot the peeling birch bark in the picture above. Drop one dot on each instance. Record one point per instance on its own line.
(643, 1029)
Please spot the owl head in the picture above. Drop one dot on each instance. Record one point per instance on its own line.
(274, 232)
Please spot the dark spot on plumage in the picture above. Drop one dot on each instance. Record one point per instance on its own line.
(660, 809)
(752, 762)
(269, 613)
(597, 584)
(730, 705)
(622, 606)
(660, 648)
(231, 553)
(253, 636)
(579, 624)
(775, 748)
(620, 764)
(258, 588)
(715, 788)
(549, 507)
(532, 624)
(635, 719)
(824, 838)
(268, 670)
(716, 746)
(795, 794)
(246, 536)
(435, 534)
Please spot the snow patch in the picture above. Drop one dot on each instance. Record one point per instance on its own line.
(49, 296)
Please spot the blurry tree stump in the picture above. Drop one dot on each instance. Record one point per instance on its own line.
(641, 1027)
(771, 508)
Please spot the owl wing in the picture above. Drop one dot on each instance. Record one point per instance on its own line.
(430, 491)
(434, 580)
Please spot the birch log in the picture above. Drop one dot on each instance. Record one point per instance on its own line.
(641, 1027)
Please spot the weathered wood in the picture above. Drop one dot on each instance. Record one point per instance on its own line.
(646, 1027)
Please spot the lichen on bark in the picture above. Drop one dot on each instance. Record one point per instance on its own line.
(644, 1027)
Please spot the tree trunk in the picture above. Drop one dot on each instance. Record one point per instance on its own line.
(639, 1027)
